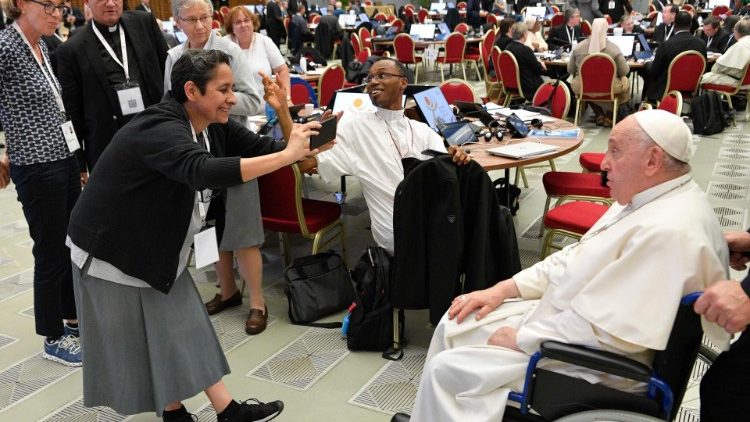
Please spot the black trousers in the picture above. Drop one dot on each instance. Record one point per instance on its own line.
(48, 192)
(725, 388)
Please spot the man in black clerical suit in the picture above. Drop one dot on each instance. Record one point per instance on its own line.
(529, 66)
(145, 6)
(655, 79)
(564, 35)
(99, 94)
(275, 22)
(714, 37)
(666, 29)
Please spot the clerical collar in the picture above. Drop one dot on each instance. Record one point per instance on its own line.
(104, 29)
(642, 198)
(390, 115)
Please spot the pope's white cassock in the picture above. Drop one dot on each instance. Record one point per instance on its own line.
(618, 289)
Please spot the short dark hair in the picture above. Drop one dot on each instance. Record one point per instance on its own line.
(683, 20)
(505, 25)
(712, 20)
(401, 67)
(673, 8)
(730, 21)
(198, 66)
(570, 12)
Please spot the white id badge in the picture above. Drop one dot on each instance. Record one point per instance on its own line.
(206, 248)
(131, 101)
(70, 136)
(611, 5)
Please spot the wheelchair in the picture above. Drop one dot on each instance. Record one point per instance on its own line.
(550, 396)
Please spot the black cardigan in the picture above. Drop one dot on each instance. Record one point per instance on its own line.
(135, 211)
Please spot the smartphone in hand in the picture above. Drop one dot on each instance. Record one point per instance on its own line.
(326, 133)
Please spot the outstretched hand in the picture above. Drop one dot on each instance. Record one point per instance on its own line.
(460, 157)
(272, 92)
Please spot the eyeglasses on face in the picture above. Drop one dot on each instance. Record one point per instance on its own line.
(49, 7)
(192, 21)
(381, 77)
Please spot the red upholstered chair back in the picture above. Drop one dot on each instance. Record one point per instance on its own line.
(652, 15)
(224, 10)
(486, 48)
(278, 195)
(721, 10)
(559, 98)
(688, 8)
(495, 57)
(462, 28)
(367, 3)
(461, 5)
(685, 72)
(422, 15)
(409, 7)
(364, 37)
(398, 23)
(301, 92)
(492, 19)
(380, 17)
(672, 102)
(585, 28)
(746, 78)
(457, 90)
(409, 13)
(315, 19)
(598, 74)
(356, 44)
(558, 19)
(331, 80)
(454, 48)
(509, 72)
(555, 9)
(215, 24)
(218, 16)
(390, 18)
(403, 45)
(363, 55)
(609, 19)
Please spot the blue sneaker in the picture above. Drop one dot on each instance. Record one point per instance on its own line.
(65, 350)
(72, 331)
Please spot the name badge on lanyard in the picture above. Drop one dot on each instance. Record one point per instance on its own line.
(129, 93)
(611, 5)
(69, 133)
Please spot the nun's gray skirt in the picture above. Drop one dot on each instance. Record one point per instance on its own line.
(243, 227)
(143, 349)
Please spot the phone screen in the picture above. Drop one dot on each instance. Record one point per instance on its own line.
(326, 133)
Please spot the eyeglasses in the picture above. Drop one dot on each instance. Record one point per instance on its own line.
(204, 20)
(381, 77)
(49, 8)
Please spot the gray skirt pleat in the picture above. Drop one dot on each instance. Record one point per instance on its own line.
(143, 349)
(244, 226)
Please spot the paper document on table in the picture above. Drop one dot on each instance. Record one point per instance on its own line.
(522, 150)
(555, 133)
(522, 114)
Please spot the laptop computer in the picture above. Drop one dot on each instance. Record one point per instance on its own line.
(422, 31)
(537, 12)
(437, 7)
(363, 17)
(457, 133)
(444, 31)
(623, 42)
(646, 53)
(433, 108)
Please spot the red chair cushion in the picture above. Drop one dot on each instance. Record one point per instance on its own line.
(560, 183)
(591, 161)
(318, 214)
(577, 217)
(472, 56)
(722, 88)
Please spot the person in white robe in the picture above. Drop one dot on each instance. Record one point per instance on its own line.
(729, 68)
(617, 289)
(370, 144)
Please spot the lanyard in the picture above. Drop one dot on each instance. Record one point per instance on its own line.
(571, 34)
(50, 77)
(205, 137)
(669, 34)
(124, 63)
(708, 43)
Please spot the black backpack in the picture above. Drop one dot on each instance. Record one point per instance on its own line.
(501, 190)
(708, 114)
(370, 319)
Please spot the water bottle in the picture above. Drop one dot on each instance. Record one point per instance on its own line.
(270, 113)
(481, 31)
(303, 64)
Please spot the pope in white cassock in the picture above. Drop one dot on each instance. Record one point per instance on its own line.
(617, 289)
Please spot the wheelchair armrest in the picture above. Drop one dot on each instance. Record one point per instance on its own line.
(598, 360)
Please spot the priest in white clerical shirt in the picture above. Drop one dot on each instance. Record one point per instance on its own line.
(617, 289)
(371, 143)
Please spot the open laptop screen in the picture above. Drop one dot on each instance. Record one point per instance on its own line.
(434, 108)
(623, 42)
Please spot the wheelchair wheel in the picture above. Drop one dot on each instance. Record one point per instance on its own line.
(608, 416)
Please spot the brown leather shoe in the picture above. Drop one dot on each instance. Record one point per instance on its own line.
(256, 321)
(216, 305)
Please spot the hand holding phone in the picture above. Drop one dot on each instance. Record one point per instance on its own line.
(326, 133)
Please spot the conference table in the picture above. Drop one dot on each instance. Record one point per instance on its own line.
(420, 44)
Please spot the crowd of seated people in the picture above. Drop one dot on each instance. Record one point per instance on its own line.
(186, 112)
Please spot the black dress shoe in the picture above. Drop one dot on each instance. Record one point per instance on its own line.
(216, 305)
(400, 417)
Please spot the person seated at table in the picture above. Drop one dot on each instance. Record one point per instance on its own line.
(589, 9)
(299, 33)
(664, 31)
(529, 66)
(565, 35)
(629, 27)
(728, 26)
(503, 33)
(655, 72)
(613, 290)
(339, 9)
(729, 68)
(713, 35)
(598, 43)
(371, 144)
(534, 38)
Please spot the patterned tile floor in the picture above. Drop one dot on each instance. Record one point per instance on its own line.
(310, 369)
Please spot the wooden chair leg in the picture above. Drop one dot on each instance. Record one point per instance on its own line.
(578, 112)
(442, 77)
(614, 113)
(463, 69)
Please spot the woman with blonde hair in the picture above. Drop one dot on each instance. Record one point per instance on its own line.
(598, 43)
